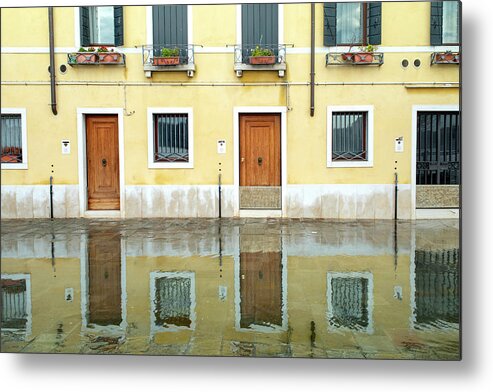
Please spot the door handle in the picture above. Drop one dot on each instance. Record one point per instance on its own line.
(259, 160)
(104, 162)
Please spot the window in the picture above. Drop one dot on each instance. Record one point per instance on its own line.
(170, 137)
(13, 139)
(445, 23)
(101, 26)
(352, 23)
(350, 136)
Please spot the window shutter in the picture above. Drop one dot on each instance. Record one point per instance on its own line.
(436, 22)
(84, 26)
(374, 23)
(330, 10)
(118, 15)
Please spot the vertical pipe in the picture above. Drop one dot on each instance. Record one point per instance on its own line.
(220, 195)
(312, 62)
(52, 61)
(396, 181)
(51, 197)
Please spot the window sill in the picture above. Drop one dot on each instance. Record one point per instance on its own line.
(188, 68)
(332, 164)
(170, 165)
(279, 67)
(14, 166)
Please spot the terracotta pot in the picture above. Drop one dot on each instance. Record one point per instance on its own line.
(347, 56)
(363, 57)
(447, 58)
(166, 60)
(257, 60)
(86, 58)
(9, 158)
(109, 57)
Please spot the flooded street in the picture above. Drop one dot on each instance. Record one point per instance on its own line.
(232, 287)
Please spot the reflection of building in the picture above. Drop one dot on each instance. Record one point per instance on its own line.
(16, 304)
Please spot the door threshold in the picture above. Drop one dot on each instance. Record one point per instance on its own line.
(102, 214)
(260, 213)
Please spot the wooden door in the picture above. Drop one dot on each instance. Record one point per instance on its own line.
(260, 150)
(103, 166)
(104, 254)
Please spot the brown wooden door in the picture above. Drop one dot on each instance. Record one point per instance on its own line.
(103, 166)
(260, 150)
(105, 290)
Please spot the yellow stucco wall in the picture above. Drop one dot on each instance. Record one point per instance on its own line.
(404, 24)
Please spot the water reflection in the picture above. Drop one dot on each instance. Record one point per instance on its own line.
(232, 287)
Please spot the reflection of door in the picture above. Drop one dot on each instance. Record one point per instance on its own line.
(260, 161)
(260, 288)
(103, 166)
(104, 278)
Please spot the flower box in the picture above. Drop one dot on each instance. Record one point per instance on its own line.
(262, 60)
(446, 58)
(86, 58)
(175, 60)
(363, 57)
(109, 57)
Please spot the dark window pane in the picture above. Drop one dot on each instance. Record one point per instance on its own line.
(349, 136)
(11, 139)
(171, 138)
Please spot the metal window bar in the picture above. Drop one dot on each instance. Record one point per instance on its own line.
(349, 136)
(173, 301)
(171, 138)
(11, 138)
(437, 285)
(14, 304)
(438, 148)
(350, 303)
(150, 53)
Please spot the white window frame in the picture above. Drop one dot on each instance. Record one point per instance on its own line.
(369, 109)
(150, 138)
(21, 165)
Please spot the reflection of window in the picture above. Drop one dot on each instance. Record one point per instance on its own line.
(101, 26)
(14, 304)
(349, 297)
(13, 139)
(445, 22)
(170, 131)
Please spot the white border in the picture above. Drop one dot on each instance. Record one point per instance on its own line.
(169, 327)
(84, 291)
(237, 110)
(149, 25)
(82, 161)
(364, 275)
(415, 110)
(29, 323)
(369, 141)
(23, 165)
(150, 138)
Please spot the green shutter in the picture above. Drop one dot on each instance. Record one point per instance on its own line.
(84, 26)
(169, 24)
(436, 22)
(330, 10)
(118, 15)
(374, 23)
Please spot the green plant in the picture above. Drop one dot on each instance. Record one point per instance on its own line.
(103, 49)
(168, 52)
(258, 51)
(82, 50)
(368, 48)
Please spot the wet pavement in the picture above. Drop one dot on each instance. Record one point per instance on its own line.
(232, 287)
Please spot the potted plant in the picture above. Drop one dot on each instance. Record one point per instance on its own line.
(168, 57)
(86, 56)
(365, 54)
(261, 55)
(447, 57)
(108, 55)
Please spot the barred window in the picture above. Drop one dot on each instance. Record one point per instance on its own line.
(11, 138)
(173, 302)
(349, 136)
(14, 301)
(171, 138)
(350, 303)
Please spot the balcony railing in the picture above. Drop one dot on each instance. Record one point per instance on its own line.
(354, 58)
(161, 58)
(251, 58)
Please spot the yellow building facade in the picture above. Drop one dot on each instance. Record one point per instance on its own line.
(223, 102)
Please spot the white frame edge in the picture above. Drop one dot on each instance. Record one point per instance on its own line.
(370, 135)
(150, 138)
(23, 165)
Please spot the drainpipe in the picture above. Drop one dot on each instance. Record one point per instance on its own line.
(396, 189)
(312, 62)
(52, 61)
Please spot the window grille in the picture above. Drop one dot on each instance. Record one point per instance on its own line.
(11, 139)
(14, 304)
(171, 138)
(349, 136)
(173, 302)
(350, 303)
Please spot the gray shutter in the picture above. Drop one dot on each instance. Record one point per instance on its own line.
(330, 11)
(436, 22)
(259, 26)
(169, 25)
(84, 26)
(118, 15)
(374, 23)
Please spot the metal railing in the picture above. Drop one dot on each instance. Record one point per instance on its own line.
(244, 53)
(354, 58)
(445, 58)
(96, 58)
(152, 53)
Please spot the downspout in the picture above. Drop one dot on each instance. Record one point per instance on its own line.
(312, 62)
(52, 61)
